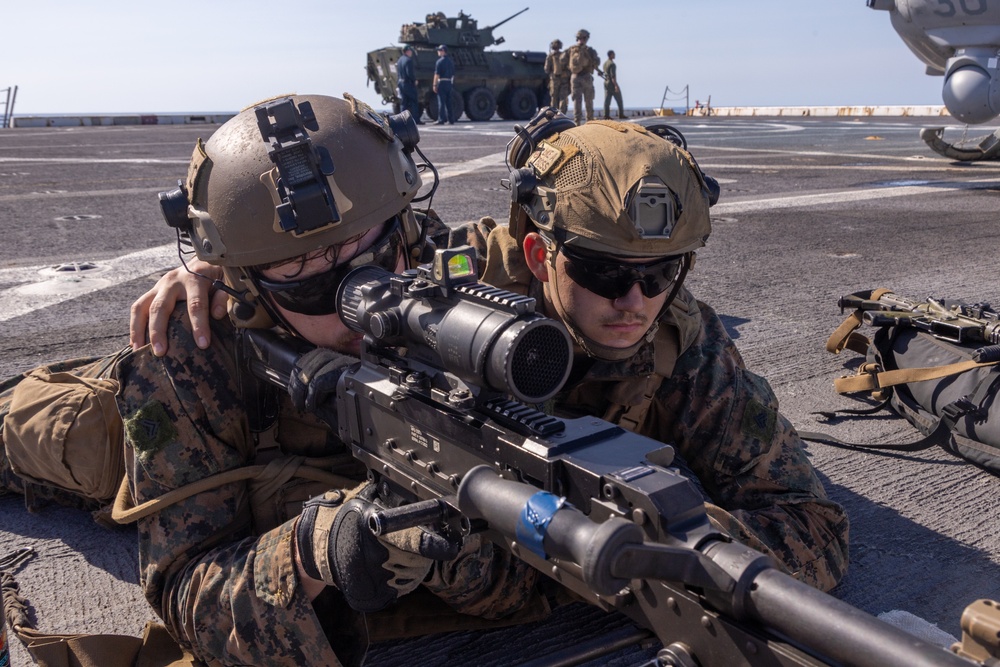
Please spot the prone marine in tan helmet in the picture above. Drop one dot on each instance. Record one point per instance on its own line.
(292, 177)
(615, 209)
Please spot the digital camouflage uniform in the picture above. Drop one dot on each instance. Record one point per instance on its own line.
(581, 61)
(223, 580)
(558, 72)
(722, 419)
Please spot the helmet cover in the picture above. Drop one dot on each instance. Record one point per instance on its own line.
(616, 188)
(348, 174)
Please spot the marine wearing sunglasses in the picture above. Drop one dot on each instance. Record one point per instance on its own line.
(613, 300)
(613, 278)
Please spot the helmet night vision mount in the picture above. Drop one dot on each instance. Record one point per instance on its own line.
(290, 176)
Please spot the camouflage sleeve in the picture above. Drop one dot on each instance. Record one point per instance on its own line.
(725, 422)
(231, 597)
(484, 580)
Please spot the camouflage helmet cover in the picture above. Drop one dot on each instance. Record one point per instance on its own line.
(588, 179)
(556, 44)
(582, 34)
(234, 188)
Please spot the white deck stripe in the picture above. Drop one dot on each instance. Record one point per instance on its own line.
(145, 262)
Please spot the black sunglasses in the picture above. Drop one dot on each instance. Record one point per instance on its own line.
(317, 295)
(613, 278)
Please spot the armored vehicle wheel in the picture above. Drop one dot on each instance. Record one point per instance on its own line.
(523, 103)
(480, 104)
(457, 105)
(503, 110)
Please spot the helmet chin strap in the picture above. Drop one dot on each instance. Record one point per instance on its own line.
(606, 352)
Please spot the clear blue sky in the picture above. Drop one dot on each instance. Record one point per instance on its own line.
(122, 56)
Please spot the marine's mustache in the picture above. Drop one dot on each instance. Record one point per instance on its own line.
(625, 319)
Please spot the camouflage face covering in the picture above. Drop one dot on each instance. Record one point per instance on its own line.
(616, 188)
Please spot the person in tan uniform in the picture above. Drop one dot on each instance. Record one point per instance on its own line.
(582, 61)
(558, 76)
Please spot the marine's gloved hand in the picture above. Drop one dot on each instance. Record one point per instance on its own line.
(336, 546)
(315, 377)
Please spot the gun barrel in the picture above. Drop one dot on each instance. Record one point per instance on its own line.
(888, 318)
(834, 629)
(508, 18)
(829, 629)
(545, 526)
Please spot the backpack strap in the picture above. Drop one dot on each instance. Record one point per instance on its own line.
(939, 432)
(871, 377)
(939, 436)
(845, 336)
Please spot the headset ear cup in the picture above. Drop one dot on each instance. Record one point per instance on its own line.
(174, 206)
(545, 123)
(522, 185)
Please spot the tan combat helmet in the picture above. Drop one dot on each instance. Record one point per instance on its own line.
(613, 188)
(556, 44)
(289, 176)
(582, 34)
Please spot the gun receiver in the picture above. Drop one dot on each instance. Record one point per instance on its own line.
(587, 503)
(951, 321)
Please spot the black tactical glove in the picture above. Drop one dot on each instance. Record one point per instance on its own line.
(336, 546)
(316, 376)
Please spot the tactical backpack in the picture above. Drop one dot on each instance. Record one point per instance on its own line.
(60, 433)
(580, 60)
(933, 362)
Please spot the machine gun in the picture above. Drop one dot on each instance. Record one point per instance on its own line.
(428, 410)
(951, 321)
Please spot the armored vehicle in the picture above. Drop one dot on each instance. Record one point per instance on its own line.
(512, 84)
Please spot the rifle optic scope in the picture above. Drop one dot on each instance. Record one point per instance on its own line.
(485, 336)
